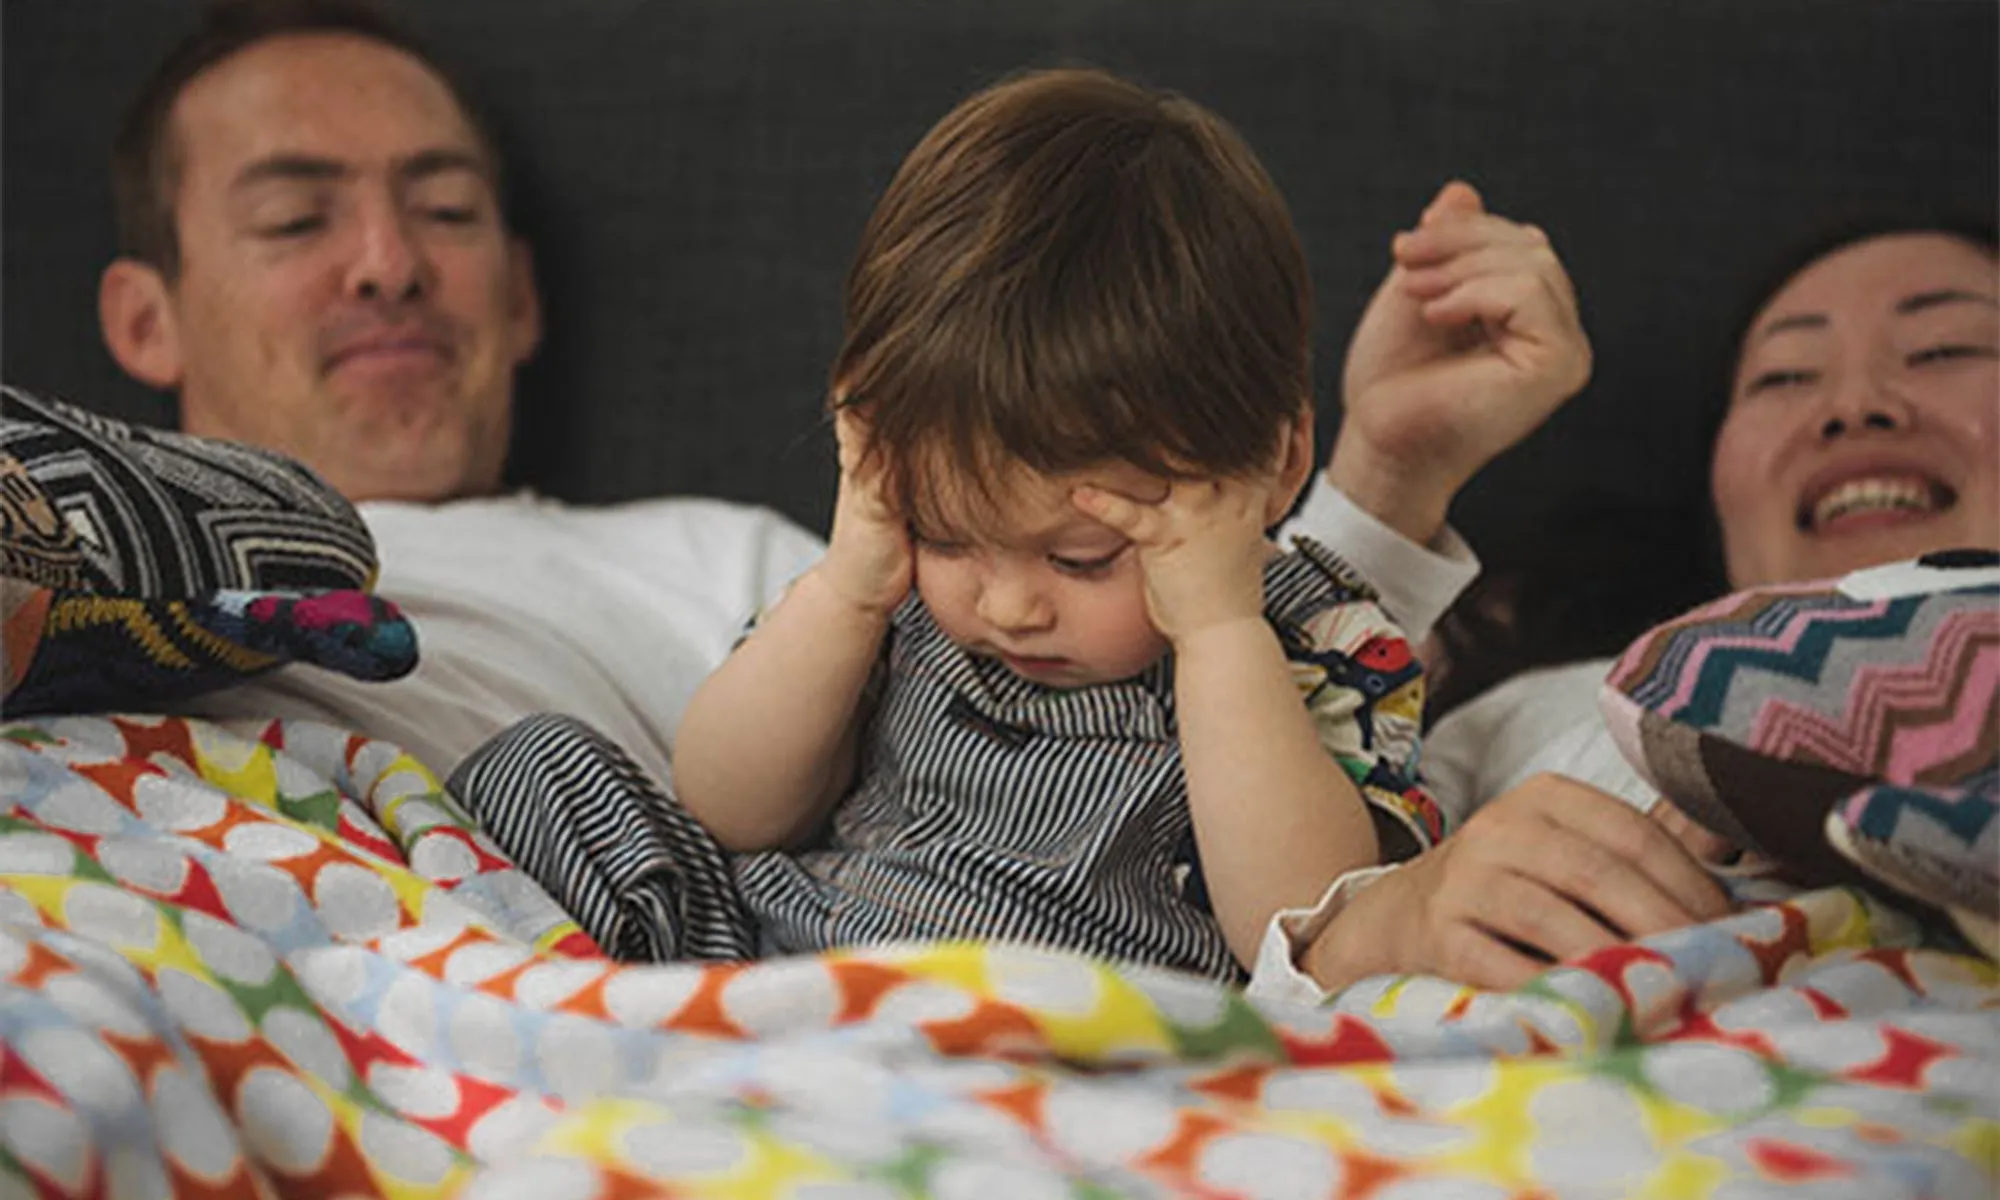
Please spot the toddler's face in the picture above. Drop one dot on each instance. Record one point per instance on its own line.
(1054, 595)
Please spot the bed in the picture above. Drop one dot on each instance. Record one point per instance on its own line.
(282, 961)
(289, 965)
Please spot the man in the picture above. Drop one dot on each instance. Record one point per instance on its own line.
(317, 260)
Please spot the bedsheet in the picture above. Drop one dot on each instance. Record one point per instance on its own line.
(290, 966)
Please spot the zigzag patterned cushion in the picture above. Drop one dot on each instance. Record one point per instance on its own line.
(138, 566)
(1849, 730)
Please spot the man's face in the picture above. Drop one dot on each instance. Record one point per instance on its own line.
(1865, 423)
(348, 293)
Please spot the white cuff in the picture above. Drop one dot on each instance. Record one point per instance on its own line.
(1416, 583)
(1276, 975)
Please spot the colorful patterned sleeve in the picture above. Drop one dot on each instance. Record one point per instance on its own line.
(1362, 684)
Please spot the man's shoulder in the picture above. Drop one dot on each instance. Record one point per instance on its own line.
(517, 512)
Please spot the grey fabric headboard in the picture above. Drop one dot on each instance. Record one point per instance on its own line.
(695, 173)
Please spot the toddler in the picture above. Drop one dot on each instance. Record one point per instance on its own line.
(1051, 682)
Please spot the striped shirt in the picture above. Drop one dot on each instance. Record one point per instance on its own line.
(989, 806)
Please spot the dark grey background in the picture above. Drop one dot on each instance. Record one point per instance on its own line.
(695, 173)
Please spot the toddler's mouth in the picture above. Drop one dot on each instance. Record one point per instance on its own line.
(1032, 666)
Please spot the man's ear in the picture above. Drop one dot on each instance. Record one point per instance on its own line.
(1295, 465)
(524, 300)
(135, 312)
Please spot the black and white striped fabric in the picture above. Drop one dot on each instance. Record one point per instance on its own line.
(985, 806)
(632, 866)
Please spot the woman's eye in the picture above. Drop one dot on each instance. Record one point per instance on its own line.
(1931, 354)
(1769, 380)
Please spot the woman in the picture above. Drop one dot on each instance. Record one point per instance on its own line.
(1863, 427)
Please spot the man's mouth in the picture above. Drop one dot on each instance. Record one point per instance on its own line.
(1867, 501)
(391, 348)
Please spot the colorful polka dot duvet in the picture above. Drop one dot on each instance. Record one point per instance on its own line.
(289, 966)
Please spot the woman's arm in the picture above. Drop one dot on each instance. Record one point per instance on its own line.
(1550, 871)
(1468, 345)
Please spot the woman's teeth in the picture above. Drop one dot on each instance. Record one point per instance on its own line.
(1873, 495)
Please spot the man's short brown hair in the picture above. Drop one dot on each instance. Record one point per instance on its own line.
(145, 160)
(1071, 269)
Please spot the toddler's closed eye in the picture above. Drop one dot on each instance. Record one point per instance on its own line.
(1085, 566)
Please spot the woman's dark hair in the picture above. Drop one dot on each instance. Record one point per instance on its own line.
(1580, 587)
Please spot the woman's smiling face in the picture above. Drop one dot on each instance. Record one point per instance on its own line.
(1864, 421)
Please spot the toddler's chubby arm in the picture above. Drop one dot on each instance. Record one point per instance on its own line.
(1275, 817)
(767, 745)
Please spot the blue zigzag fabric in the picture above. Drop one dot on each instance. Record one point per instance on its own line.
(1848, 729)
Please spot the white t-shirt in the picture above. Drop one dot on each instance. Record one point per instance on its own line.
(1539, 721)
(1416, 583)
(523, 604)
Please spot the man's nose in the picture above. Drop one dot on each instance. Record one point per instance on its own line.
(1012, 601)
(391, 262)
(1864, 401)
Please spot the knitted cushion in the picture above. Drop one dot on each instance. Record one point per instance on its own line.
(138, 566)
(1848, 729)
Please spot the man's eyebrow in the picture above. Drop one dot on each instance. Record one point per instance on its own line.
(1923, 300)
(426, 163)
(306, 167)
(313, 168)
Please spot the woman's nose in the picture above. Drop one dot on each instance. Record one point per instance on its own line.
(1864, 402)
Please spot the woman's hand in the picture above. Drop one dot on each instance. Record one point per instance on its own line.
(1550, 871)
(1696, 838)
(1469, 344)
(869, 561)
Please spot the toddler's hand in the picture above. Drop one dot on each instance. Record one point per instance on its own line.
(868, 557)
(1201, 547)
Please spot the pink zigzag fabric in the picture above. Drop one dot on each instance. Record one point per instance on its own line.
(1854, 740)
(1785, 640)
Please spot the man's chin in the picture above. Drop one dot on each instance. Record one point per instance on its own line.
(381, 399)
(397, 464)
